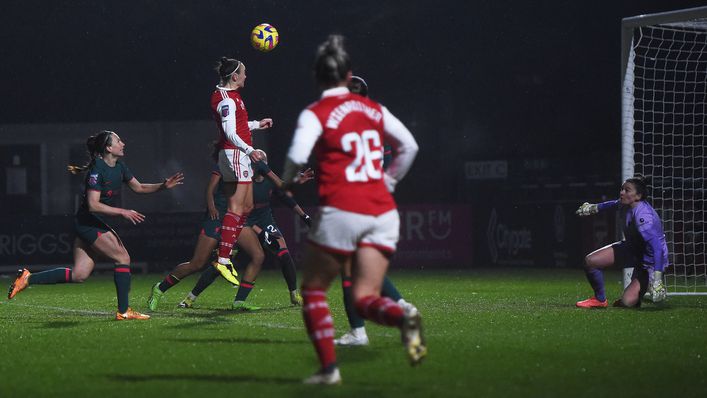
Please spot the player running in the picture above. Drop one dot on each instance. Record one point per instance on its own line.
(643, 248)
(261, 223)
(105, 174)
(235, 154)
(358, 221)
(357, 335)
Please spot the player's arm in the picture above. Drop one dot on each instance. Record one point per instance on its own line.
(168, 183)
(302, 177)
(306, 135)
(95, 206)
(261, 124)
(655, 254)
(587, 209)
(405, 146)
(227, 109)
(210, 189)
(290, 202)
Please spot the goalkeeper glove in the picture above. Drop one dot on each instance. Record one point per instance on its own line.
(587, 209)
(307, 220)
(657, 288)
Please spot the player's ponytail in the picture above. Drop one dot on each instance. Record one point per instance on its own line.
(227, 67)
(332, 62)
(95, 146)
(640, 183)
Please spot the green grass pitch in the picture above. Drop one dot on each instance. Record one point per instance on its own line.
(491, 333)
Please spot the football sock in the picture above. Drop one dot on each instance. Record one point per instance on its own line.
(381, 310)
(121, 277)
(230, 230)
(389, 290)
(288, 269)
(355, 321)
(320, 326)
(168, 282)
(596, 279)
(208, 276)
(50, 277)
(244, 290)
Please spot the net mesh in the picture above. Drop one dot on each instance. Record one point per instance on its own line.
(669, 107)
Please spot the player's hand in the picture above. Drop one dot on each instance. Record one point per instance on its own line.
(173, 181)
(133, 216)
(657, 288)
(213, 213)
(390, 182)
(266, 123)
(307, 220)
(587, 209)
(304, 176)
(258, 155)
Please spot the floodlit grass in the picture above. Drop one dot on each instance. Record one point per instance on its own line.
(490, 333)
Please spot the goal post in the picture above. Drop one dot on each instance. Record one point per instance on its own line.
(664, 132)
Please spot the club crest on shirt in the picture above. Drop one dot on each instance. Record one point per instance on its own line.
(225, 111)
(92, 179)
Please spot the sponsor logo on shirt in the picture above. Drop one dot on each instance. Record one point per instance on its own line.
(93, 179)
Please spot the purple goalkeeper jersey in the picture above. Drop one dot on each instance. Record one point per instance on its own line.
(643, 231)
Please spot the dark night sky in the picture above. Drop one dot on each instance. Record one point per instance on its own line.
(491, 78)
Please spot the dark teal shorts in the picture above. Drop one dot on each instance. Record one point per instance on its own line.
(89, 227)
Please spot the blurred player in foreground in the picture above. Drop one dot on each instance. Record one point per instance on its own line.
(358, 220)
(643, 248)
(357, 335)
(105, 174)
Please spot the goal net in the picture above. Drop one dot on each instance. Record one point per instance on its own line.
(664, 111)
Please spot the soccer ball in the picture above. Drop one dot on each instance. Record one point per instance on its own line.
(264, 37)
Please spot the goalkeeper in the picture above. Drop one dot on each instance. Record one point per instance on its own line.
(643, 248)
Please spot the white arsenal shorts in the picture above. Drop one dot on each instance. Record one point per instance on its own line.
(235, 166)
(342, 232)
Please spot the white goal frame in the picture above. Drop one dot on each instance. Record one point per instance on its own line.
(685, 237)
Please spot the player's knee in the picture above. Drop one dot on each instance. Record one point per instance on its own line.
(79, 277)
(123, 259)
(258, 257)
(589, 262)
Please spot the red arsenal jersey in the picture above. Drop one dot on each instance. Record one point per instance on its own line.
(229, 112)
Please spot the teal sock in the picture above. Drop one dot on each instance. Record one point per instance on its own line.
(244, 290)
(389, 290)
(121, 277)
(355, 321)
(50, 277)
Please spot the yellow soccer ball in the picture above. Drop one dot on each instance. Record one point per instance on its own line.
(264, 37)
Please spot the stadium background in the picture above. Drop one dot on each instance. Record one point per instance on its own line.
(515, 105)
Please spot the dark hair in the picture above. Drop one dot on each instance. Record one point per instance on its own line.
(358, 86)
(332, 63)
(95, 146)
(226, 67)
(641, 184)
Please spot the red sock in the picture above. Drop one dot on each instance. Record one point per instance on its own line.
(381, 310)
(231, 227)
(320, 325)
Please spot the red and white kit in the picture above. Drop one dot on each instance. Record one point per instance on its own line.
(235, 141)
(346, 132)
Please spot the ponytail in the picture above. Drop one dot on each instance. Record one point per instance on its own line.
(95, 146)
(332, 62)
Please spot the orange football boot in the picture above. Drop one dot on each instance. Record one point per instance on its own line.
(20, 283)
(592, 302)
(130, 314)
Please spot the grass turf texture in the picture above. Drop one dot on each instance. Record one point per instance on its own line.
(490, 333)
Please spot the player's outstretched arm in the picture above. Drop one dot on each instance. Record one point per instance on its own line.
(587, 209)
(168, 183)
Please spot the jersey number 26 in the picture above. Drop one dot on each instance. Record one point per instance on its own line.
(366, 148)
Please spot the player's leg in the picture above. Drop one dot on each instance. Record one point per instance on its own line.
(635, 290)
(207, 277)
(289, 272)
(50, 277)
(320, 269)
(202, 252)
(357, 334)
(236, 172)
(594, 264)
(250, 243)
(109, 245)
